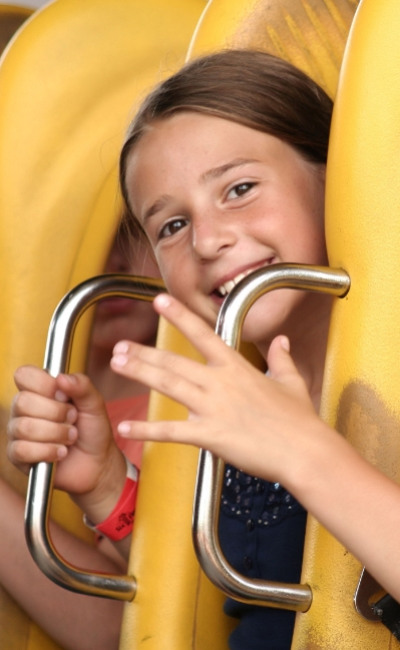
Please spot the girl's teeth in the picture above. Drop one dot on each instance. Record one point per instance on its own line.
(240, 277)
(228, 286)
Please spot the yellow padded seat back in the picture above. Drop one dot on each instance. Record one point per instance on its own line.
(361, 396)
(68, 83)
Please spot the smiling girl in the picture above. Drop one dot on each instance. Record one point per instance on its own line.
(223, 169)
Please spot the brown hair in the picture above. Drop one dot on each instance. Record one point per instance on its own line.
(249, 87)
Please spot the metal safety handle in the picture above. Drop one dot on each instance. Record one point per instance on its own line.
(210, 471)
(57, 357)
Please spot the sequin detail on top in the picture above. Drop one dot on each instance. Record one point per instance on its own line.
(245, 496)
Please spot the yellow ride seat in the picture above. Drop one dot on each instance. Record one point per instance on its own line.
(68, 82)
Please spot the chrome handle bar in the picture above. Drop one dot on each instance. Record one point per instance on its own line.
(57, 357)
(210, 471)
(209, 480)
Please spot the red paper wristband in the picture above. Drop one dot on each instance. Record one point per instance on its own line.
(119, 523)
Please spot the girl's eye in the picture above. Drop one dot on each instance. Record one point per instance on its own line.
(240, 189)
(171, 228)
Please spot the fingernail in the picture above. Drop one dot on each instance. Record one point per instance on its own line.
(163, 300)
(60, 396)
(285, 344)
(72, 434)
(119, 360)
(71, 415)
(121, 347)
(61, 452)
(124, 429)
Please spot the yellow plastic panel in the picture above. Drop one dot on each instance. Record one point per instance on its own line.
(361, 394)
(68, 83)
(176, 607)
(309, 33)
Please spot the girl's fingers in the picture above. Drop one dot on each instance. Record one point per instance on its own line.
(36, 380)
(41, 431)
(24, 454)
(196, 330)
(176, 377)
(36, 406)
(280, 363)
(182, 379)
(79, 388)
(191, 432)
(282, 367)
(75, 387)
(183, 431)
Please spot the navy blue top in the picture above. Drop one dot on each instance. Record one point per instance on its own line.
(261, 531)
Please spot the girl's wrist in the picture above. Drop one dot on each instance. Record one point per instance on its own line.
(99, 502)
(119, 522)
(319, 464)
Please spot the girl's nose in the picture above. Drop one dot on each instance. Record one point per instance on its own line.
(211, 235)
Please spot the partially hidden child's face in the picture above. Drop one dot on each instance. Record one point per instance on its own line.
(123, 318)
(219, 200)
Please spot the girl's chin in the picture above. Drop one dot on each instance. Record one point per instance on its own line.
(258, 327)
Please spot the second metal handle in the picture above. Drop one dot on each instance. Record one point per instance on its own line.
(210, 472)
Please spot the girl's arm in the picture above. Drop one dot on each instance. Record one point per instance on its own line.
(268, 427)
(72, 620)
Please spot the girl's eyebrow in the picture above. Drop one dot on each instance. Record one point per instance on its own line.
(158, 205)
(214, 172)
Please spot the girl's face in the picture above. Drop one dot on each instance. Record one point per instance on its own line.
(219, 200)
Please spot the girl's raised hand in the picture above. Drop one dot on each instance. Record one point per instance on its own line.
(246, 418)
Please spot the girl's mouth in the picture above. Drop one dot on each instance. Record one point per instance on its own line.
(224, 289)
